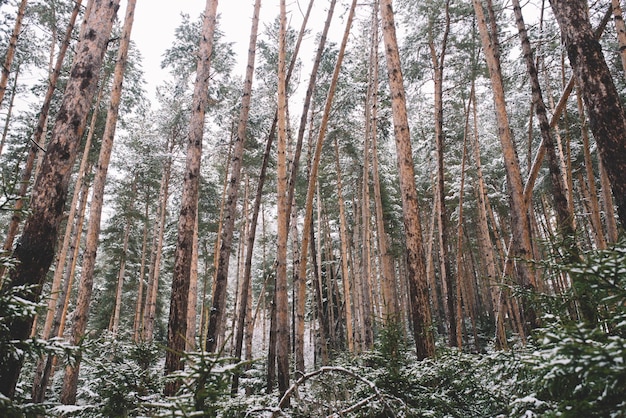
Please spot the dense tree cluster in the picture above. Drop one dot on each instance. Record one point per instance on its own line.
(422, 218)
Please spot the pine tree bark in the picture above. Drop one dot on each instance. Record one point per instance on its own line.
(177, 324)
(221, 277)
(416, 269)
(602, 101)
(70, 381)
(35, 249)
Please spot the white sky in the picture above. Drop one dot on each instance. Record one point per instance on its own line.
(156, 20)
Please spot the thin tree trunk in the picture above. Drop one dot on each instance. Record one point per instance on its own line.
(115, 323)
(594, 212)
(177, 324)
(620, 28)
(35, 249)
(7, 120)
(10, 54)
(149, 312)
(221, 277)
(70, 382)
(345, 272)
(416, 274)
(140, 291)
(387, 271)
(280, 322)
(445, 268)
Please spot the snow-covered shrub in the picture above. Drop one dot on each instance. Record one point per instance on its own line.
(120, 378)
(580, 368)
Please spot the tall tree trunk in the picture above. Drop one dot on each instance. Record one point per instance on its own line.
(445, 268)
(416, 274)
(37, 136)
(521, 242)
(315, 163)
(345, 272)
(218, 305)
(115, 321)
(261, 183)
(177, 324)
(299, 281)
(70, 382)
(602, 101)
(10, 54)
(388, 279)
(154, 270)
(142, 269)
(281, 308)
(35, 249)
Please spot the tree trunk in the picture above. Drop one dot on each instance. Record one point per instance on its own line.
(281, 308)
(39, 131)
(259, 192)
(142, 269)
(299, 280)
(177, 324)
(115, 322)
(602, 101)
(10, 54)
(218, 305)
(445, 268)
(620, 28)
(35, 249)
(521, 242)
(388, 279)
(420, 305)
(70, 382)
(345, 272)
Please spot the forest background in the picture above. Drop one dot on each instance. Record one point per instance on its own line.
(351, 225)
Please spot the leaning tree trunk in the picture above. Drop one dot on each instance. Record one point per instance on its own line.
(602, 101)
(35, 249)
(416, 269)
(81, 314)
(177, 324)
